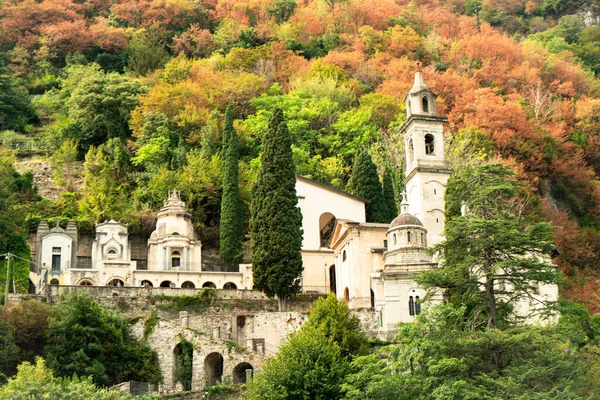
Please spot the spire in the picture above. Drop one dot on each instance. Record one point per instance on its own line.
(419, 83)
(404, 204)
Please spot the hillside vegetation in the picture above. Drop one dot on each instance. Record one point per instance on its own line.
(137, 91)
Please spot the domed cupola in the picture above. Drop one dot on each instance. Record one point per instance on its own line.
(406, 230)
(420, 100)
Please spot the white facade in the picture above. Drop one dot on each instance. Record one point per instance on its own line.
(321, 206)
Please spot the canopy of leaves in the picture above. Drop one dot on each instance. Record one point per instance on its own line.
(87, 340)
(495, 253)
(436, 358)
(36, 381)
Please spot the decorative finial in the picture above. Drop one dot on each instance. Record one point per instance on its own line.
(418, 65)
(404, 203)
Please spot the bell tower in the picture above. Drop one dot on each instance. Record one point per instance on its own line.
(426, 169)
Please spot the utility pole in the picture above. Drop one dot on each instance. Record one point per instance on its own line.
(9, 278)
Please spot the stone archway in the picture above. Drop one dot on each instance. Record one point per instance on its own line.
(239, 372)
(213, 368)
(183, 361)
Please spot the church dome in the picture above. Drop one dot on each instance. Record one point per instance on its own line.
(405, 219)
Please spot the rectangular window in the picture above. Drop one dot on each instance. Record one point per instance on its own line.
(56, 262)
(56, 250)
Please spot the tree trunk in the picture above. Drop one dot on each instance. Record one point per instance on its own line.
(282, 302)
(491, 302)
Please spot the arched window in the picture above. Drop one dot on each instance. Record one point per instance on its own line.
(230, 286)
(188, 285)
(411, 306)
(408, 236)
(209, 284)
(429, 144)
(417, 305)
(395, 239)
(115, 282)
(422, 239)
(54, 282)
(147, 284)
(86, 282)
(175, 234)
(344, 255)
(425, 104)
(167, 284)
(175, 259)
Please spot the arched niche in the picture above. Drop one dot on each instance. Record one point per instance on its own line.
(166, 284)
(230, 286)
(85, 282)
(147, 283)
(240, 374)
(209, 285)
(213, 368)
(326, 226)
(188, 285)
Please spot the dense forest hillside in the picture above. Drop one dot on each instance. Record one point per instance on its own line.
(126, 100)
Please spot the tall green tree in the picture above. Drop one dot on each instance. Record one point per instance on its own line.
(85, 339)
(389, 197)
(495, 252)
(276, 221)
(364, 182)
(15, 108)
(148, 51)
(9, 357)
(232, 216)
(99, 106)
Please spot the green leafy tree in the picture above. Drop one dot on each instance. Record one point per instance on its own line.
(15, 190)
(9, 357)
(276, 221)
(99, 107)
(495, 253)
(282, 10)
(364, 182)
(15, 108)
(389, 197)
(309, 366)
(439, 357)
(36, 381)
(332, 317)
(28, 321)
(148, 51)
(232, 216)
(64, 165)
(87, 340)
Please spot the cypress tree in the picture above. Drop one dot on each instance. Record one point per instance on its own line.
(364, 182)
(232, 216)
(389, 198)
(276, 221)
